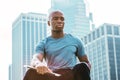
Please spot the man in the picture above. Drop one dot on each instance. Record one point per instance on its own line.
(60, 51)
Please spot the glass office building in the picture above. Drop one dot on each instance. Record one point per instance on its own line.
(27, 30)
(103, 48)
(76, 20)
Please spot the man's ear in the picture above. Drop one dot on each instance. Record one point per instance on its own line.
(48, 23)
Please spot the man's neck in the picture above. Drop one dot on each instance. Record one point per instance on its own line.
(57, 33)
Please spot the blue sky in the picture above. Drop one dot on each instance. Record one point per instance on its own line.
(104, 11)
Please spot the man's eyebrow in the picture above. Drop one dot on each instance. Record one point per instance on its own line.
(58, 17)
(55, 17)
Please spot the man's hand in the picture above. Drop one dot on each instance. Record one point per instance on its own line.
(89, 65)
(43, 69)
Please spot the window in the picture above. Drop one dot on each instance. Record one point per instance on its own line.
(85, 39)
(23, 17)
(32, 18)
(40, 30)
(109, 29)
(116, 30)
(28, 18)
(102, 30)
(36, 19)
(89, 37)
(32, 36)
(110, 43)
(93, 35)
(24, 38)
(98, 33)
(40, 19)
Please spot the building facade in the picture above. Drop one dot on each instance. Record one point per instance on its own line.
(27, 30)
(103, 48)
(76, 20)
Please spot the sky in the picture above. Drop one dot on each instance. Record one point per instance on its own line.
(104, 11)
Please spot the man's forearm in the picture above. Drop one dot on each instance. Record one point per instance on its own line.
(85, 59)
(37, 60)
(39, 56)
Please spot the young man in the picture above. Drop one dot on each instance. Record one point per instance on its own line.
(60, 51)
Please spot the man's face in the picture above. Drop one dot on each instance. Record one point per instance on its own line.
(56, 21)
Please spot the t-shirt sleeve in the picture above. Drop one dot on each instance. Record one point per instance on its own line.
(80, 48)
(40, 48)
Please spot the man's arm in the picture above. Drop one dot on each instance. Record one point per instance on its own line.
(36, 60)
(85, 59)
(39, 64)
(40, 57)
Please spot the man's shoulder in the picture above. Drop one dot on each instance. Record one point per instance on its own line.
(71, 36)
(74, 38)
(44, 40)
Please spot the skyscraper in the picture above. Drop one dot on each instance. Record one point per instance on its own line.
(27, 30)
(76, 21)
(103, 48)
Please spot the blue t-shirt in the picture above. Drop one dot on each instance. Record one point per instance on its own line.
(61, 52)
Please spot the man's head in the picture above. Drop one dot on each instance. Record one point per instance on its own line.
(56, 20)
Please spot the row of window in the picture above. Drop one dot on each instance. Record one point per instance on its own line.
(115, 30)
(34, 18)
(105, 29)
(93, 35)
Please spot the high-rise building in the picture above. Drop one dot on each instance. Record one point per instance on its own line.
(103, 48)
(27, 30)
(76, 20)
